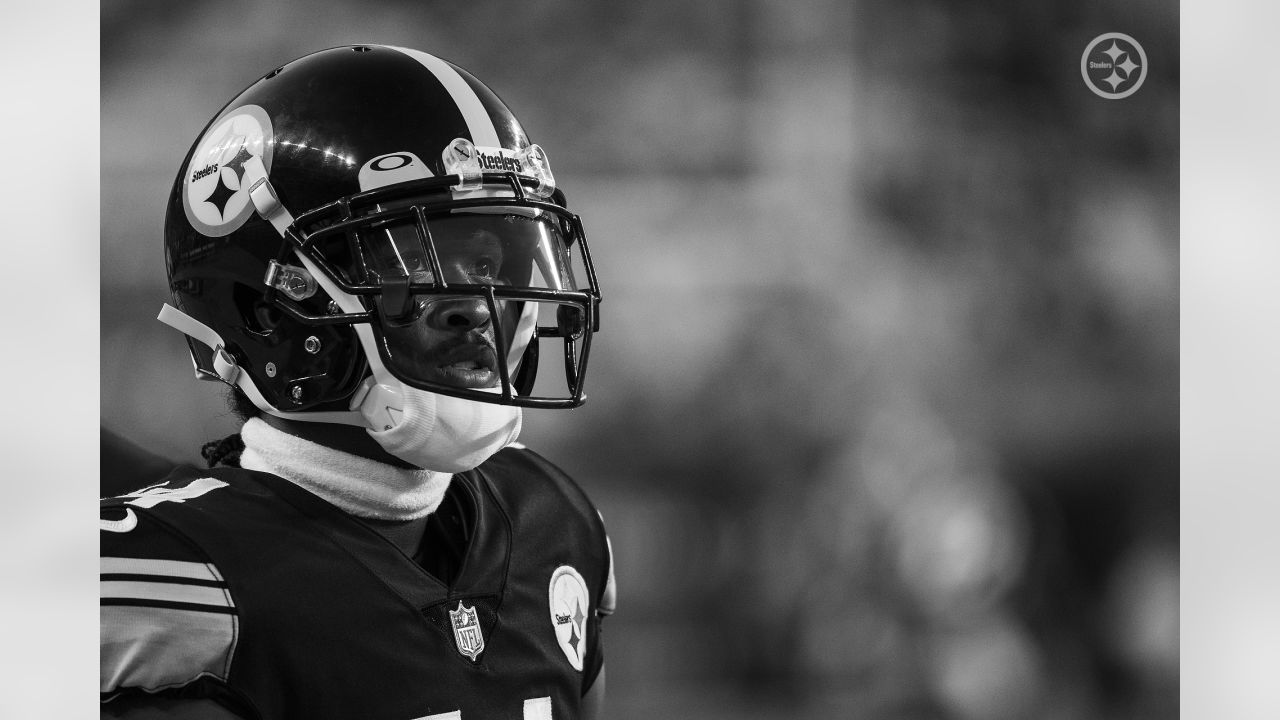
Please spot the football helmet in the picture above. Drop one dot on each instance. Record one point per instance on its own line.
(368, 216)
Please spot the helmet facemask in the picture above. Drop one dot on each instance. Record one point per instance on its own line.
(457, 290)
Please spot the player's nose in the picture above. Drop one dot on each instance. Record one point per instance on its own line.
(458, 314)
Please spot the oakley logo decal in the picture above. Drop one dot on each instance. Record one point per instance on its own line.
(394, 161)
(392, 168)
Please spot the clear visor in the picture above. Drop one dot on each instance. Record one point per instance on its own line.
(511, 248)
(465, 293)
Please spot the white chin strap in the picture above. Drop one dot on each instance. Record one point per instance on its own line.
(438, 432)
(432, 431)
(225, 367)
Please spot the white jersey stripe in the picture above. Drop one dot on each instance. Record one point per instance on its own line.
(483, 133)
(167, 592)
(168, 568)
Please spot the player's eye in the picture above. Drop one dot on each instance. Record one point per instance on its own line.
(485, 268)
(417, 268)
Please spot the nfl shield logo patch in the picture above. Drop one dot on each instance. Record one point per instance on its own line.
(466, 631)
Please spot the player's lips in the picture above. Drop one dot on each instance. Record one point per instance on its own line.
(471, 365)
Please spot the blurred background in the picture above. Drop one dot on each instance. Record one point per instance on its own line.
(883, 415)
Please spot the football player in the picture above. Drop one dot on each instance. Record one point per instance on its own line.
(365, 245)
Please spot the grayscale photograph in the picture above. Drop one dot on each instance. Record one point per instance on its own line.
(692, 360)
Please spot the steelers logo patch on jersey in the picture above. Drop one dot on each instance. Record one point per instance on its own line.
(215, 188)
(569, 608)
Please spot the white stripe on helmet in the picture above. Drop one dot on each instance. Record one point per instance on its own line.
(483, 132)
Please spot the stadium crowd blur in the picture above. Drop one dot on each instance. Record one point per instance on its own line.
(883, 413)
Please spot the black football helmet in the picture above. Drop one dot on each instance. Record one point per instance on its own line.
(348, 216)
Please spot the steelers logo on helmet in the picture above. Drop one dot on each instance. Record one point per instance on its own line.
(569, 608)
(215, 188)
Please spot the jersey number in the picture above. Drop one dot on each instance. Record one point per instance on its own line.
(156, 494)
(534, 709)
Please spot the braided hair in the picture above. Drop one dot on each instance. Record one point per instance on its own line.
(227, 450)
(223, 452)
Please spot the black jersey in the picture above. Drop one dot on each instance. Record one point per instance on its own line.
(241, 586)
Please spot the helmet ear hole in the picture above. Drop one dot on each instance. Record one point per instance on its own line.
(257, 315)
(267, 316)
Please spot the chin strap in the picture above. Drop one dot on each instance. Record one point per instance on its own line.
(264, 197)
(267, 203)
(224, 366)
(226, 369)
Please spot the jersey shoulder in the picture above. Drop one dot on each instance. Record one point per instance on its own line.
(168, 618)
(520, 467)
